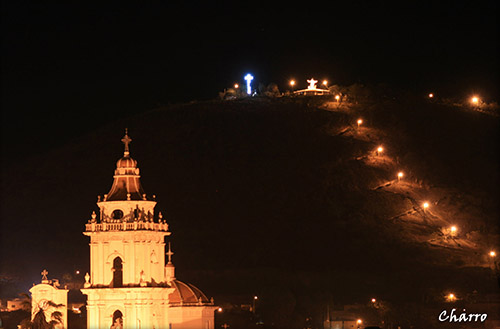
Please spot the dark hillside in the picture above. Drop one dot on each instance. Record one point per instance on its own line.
(282, 196)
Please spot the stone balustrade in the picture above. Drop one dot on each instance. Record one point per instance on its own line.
(126, 226)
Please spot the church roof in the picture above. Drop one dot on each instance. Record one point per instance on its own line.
(186, 293)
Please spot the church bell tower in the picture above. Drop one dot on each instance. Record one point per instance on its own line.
(129, 284)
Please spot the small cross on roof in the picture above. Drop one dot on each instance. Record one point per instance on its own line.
(126, 140)
(169, 253)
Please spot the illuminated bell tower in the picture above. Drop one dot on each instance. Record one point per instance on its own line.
(129, 284)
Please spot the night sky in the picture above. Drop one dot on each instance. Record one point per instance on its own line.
(67, 68)
(71, 69)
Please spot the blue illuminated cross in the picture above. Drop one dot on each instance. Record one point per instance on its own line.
(249, 79)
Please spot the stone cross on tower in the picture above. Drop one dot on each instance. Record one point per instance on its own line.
(312, 83)
(126, 140)
(169, 253)
(44, 275)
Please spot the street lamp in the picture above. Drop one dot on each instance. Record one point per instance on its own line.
(254, 300)
(400, 175)
(492, 253)
(325, 83)
(451, 297)
(373, 300)
(425, 205)
(431, 95)
(337, 97)
(474, 100)
(359, 122)
(236, 86)
(380, 149)
(359, 322)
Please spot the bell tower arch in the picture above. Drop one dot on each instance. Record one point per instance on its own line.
(117, 273)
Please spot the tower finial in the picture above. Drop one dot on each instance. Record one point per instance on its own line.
(169, 268)
(44, 276)
(169, 254)
(126, 140)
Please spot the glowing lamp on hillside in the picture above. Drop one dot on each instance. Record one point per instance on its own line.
(380, 149)
(431, 95)
(359, 122)
(453, 230)
(474, 100)
(359, 321)
(253, 304)
(337, 97)
(325, 83)
(373, 300)
(492, 253)
(425, 205)
(400, 175)
(451, 297)
(292, 83)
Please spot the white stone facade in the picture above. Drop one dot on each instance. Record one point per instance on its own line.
(45, 292)
(129, 284)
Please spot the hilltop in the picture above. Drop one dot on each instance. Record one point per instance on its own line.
(284, 196)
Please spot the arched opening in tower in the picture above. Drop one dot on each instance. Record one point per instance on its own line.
(117, 320)
(117, 273)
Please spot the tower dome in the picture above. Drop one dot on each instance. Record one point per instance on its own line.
(186, 293)
(126, 162)
(126, 184)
